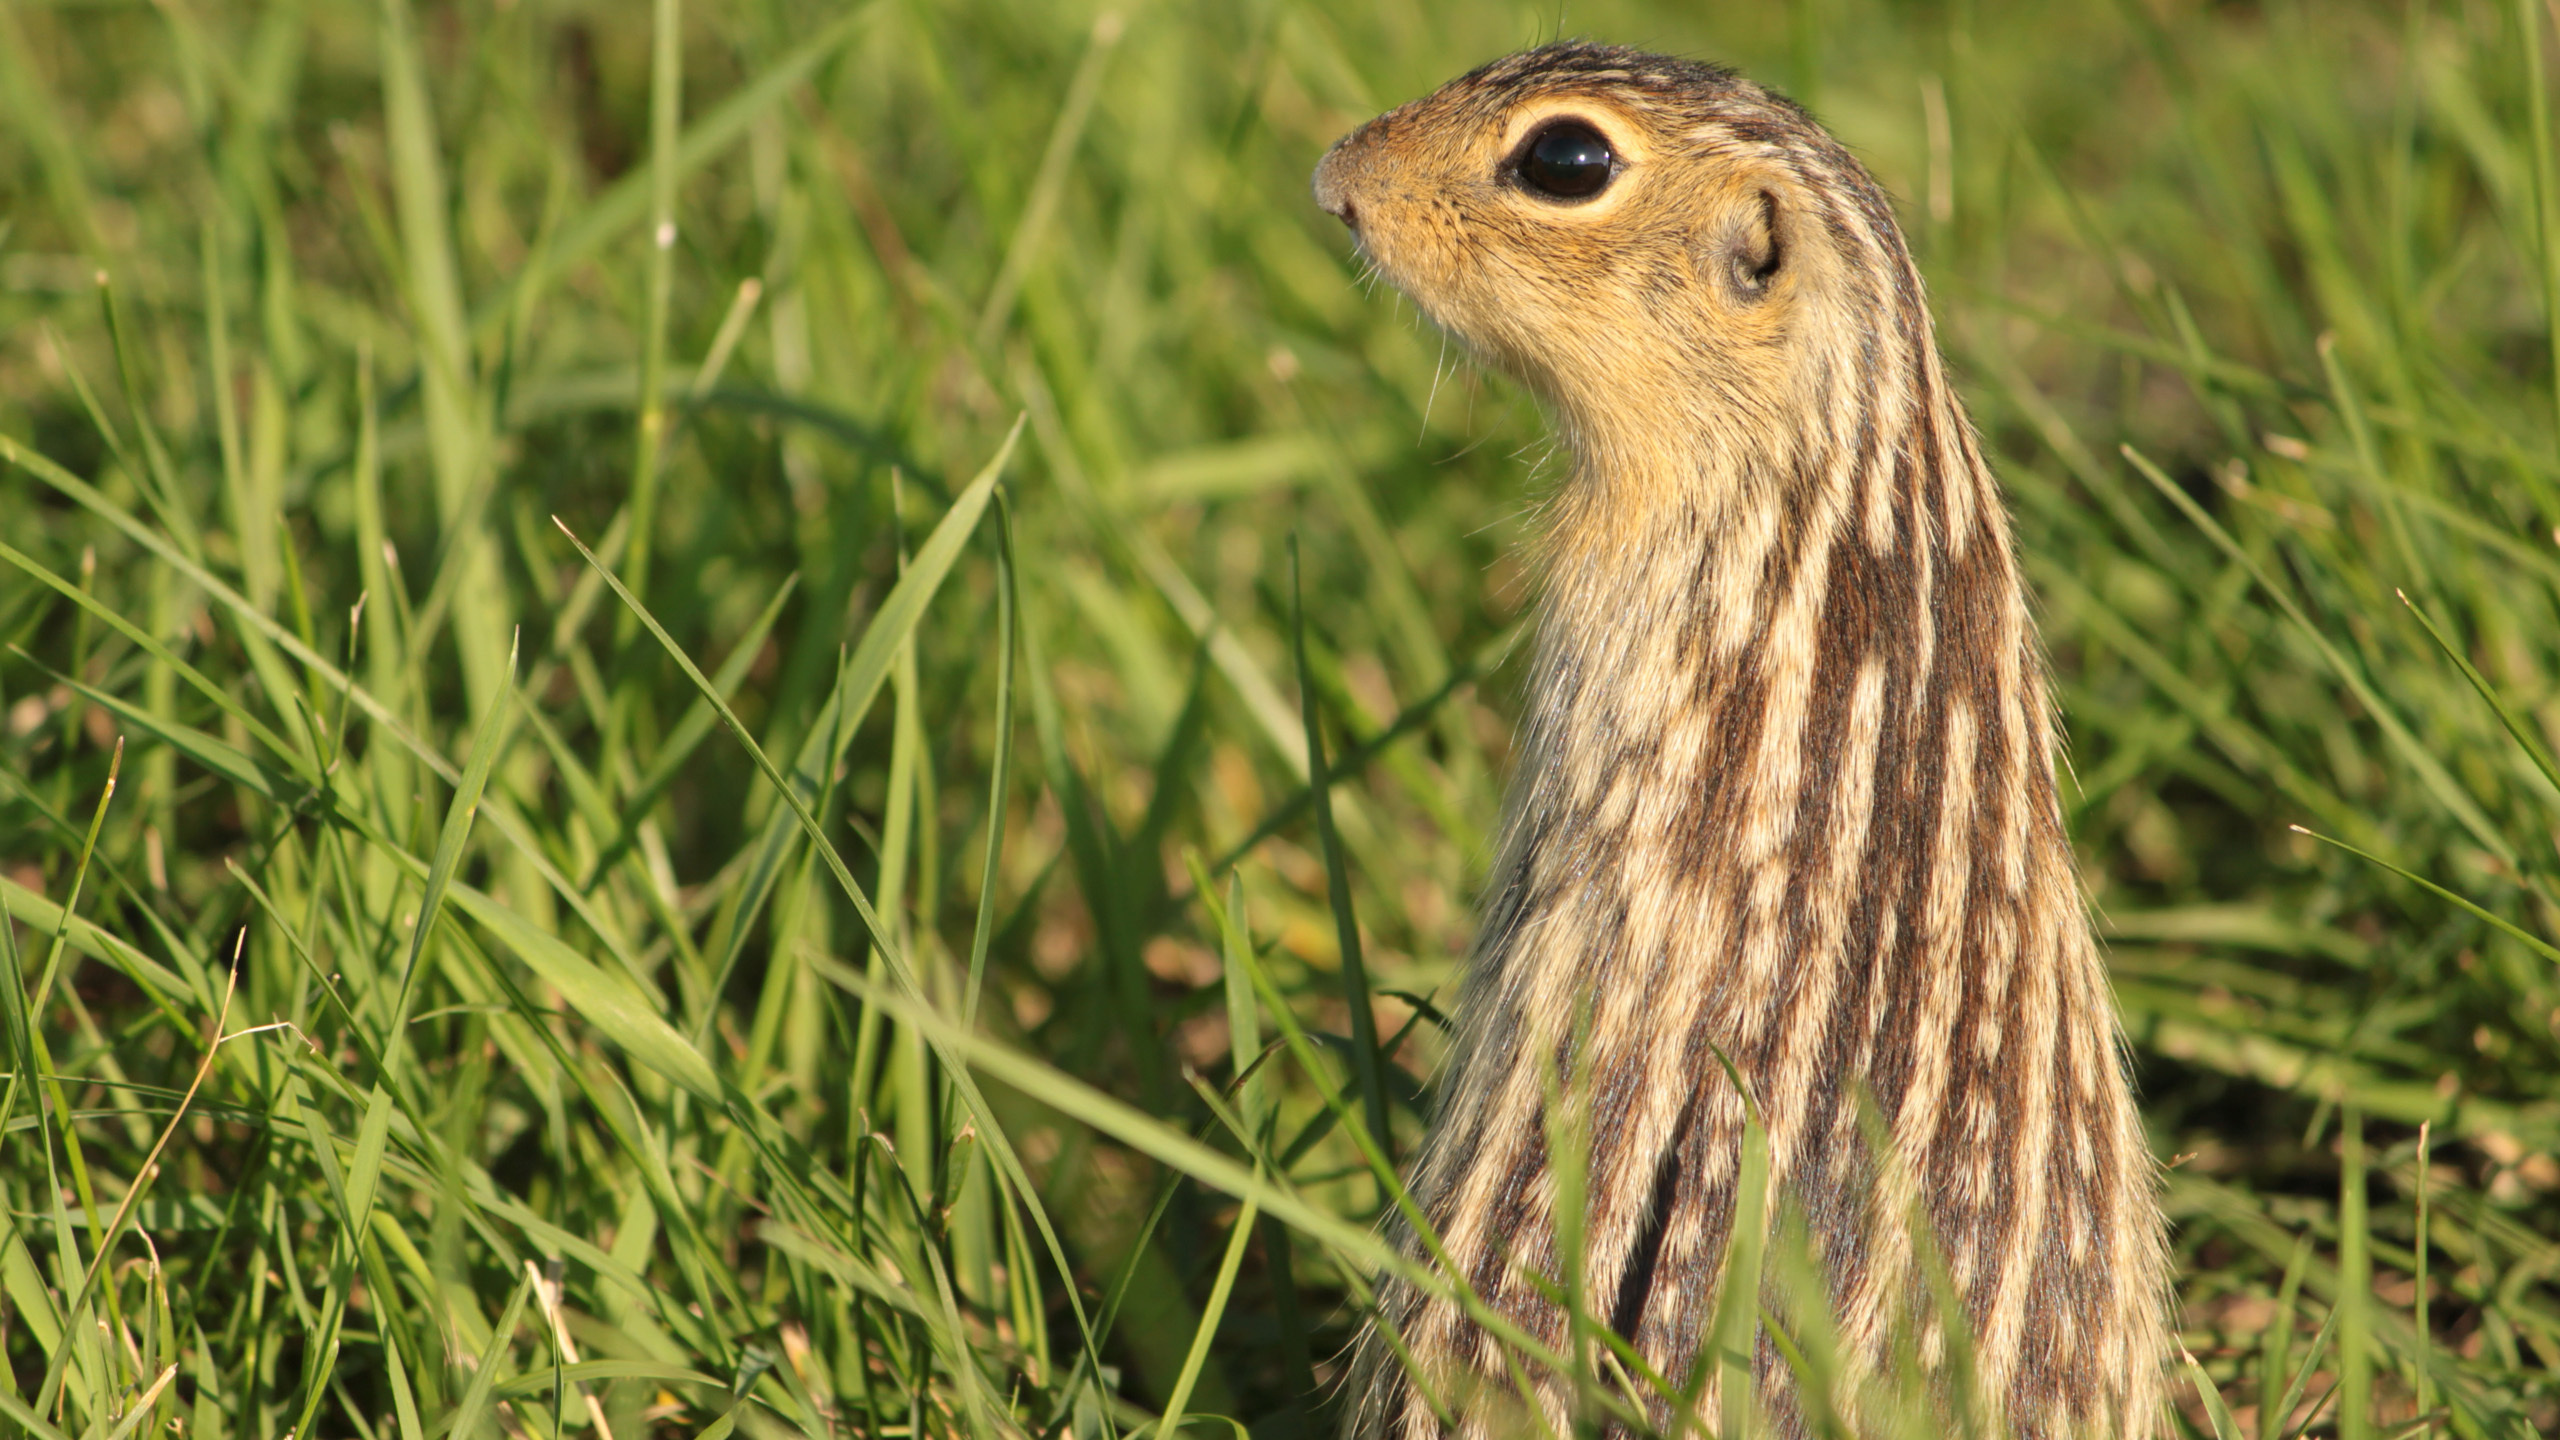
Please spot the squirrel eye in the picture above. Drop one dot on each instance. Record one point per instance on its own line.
(1568, 161)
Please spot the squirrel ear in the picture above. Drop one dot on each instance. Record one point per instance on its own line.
(1752, 252)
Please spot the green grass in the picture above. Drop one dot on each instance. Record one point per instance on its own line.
(844, 1036)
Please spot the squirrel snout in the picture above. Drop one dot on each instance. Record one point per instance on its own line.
(1332, 187)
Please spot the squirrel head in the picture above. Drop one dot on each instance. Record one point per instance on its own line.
(1667, 253)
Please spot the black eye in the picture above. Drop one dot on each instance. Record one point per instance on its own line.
(1568, 161)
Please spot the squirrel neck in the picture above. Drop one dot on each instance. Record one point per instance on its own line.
(1754, 649)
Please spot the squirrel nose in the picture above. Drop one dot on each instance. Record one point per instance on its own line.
(1332, 195)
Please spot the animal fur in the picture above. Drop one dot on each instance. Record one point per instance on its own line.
(1786, 788)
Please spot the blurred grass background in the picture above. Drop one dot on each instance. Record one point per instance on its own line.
(971, 391)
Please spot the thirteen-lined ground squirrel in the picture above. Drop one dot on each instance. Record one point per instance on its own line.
(1786, 789)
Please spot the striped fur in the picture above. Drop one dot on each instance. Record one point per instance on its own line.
(1786, 789)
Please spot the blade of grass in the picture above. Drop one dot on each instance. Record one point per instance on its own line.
(666, 120)
(484, 1376)
(1355, 975)
(2355, 1283)
(1211, 1313)
(458, 816)
(2422, 1360)
(2275, 1347)
(1000, 768)
(142, 1405)
(2224, 1428)
(2543, 947)
(1737, 1321)
(1244, 1049)
(690, 730)
(2545, 177)
(2480, 684)
(48, 1075)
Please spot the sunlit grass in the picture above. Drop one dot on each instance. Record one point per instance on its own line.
(663, 669)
